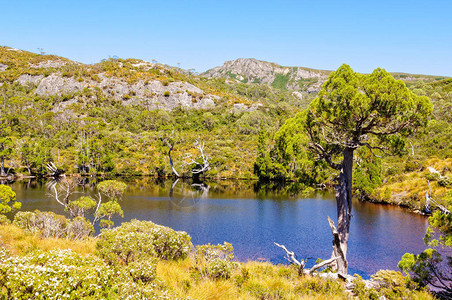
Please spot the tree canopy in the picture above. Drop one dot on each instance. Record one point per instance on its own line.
(354, 110)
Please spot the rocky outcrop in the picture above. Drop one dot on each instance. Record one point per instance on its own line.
(55, 84)
(29, 79)
(256, 71)
(49, 64)
(152, 94)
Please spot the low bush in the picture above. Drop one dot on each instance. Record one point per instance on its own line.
(4, 220)
(140, 240)
(214, 261)
(49, 224)
(389, 284)
(55, 275)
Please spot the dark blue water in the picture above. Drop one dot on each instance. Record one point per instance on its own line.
(379, 234)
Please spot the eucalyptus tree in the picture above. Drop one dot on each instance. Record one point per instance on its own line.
(354, 110)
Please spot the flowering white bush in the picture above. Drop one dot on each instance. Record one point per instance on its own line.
(61, 274)
(214, 261)
(141, 240)
(49, 224)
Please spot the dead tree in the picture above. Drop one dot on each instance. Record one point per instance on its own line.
(54, 171)
(171, 144)
(61, 189)
(200, 164)
(199, 167)
(301, 264)
(429, 201)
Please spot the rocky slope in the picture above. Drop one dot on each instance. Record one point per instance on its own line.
(298, 79)
(256, 71)
(133, 82)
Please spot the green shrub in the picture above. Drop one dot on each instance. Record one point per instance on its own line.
(55, 275)
(4, 220)
(388, 284)
(412, 165)
(143, 271)
(444, 181)
(7, 195)
(432, 176)
(214, 261)
(49, 224)
(140, 240)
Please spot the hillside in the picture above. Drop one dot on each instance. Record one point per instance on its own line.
(292, 78)
(117, 117)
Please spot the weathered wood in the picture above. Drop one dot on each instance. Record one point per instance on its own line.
(171, 146)
(429, 200)
(338, 251)
(301, 264)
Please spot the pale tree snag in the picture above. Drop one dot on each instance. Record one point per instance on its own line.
(338, 250)
(200, 167)
(429, 201)
(171, 146)
(301, 264)
(61, 189)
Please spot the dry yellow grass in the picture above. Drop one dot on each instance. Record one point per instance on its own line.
(262, 281)
(19, 242)
(409, 188)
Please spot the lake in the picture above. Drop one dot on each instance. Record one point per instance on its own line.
(252, 218)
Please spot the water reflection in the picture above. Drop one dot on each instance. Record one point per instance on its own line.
(252, 218)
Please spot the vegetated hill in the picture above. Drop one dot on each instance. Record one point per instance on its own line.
(292, 78)
(115, 116)
(131, 81)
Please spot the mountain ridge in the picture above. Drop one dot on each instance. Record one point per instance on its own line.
(296, 78)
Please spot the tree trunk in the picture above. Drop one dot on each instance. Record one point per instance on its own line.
(344, 210)
(171, 162)
(2, 167)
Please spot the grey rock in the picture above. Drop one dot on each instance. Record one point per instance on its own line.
(3, 67)
(49, 64)
(57, 85)
(253, 70)
(26, 78)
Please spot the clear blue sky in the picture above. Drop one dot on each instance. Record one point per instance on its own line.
(399, 35)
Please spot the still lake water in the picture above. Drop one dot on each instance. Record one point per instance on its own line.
(253, 219)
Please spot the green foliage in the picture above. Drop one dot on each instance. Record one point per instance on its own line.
(49, 224)
(388, 284)
(355, 110)
(109, 209)
(8, 199)
(214, 261)
(140, 240)
(288, 158)
(367, 174)
(428, 268)
(280, 81)
(114, 190)
(4, 220)
(55, 275)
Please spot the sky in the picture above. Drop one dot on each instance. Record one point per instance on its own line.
(399, 35)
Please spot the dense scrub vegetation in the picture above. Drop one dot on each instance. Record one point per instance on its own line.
(92, 131)
(402, 179)
(251, 132)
